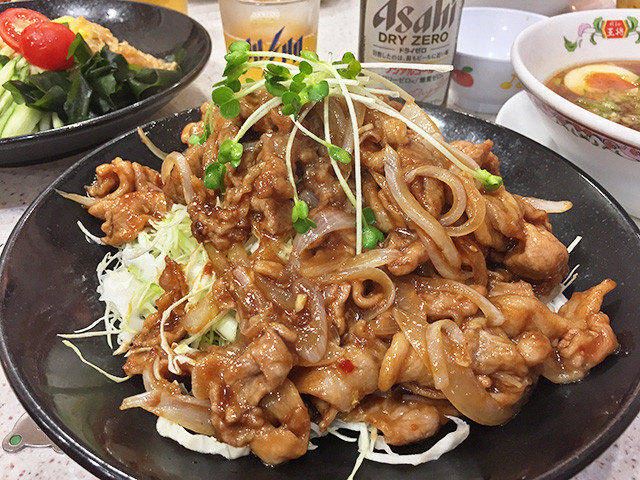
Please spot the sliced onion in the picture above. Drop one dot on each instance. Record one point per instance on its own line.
(493, 314)
(343, 128)
(549, 206)
(313, 338)
(476, 210)
(450, 367)
(176, 159)
(150, 145)
(452, 181)
(457, 380)
(416, 212)
(418, 116)
(187, 411)
(375, 258)
(437, 259)
(81, 199)
(375, 275)
(328, 220)
(200, 315)
(286, 299)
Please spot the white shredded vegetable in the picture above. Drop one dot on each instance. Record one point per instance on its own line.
(198, 443)
(128, 279)
(373, 447)
(128, 284)
(92, 365)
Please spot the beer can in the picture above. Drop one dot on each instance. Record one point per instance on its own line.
(411, 31)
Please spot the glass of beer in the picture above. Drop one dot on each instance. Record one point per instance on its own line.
(279, 26)
(628, 4)
(179, 5)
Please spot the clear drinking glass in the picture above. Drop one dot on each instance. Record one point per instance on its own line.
(179, 5)
(285, 26)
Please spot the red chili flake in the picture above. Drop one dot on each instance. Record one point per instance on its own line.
(345, 365)
(413, 427)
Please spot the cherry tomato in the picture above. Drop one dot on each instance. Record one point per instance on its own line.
(13, 21)
(46, 45)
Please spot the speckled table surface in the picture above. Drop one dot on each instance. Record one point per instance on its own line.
(20, 186)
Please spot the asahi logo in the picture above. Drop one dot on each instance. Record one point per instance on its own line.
(438, 15)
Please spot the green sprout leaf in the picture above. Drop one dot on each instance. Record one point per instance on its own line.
(230, 152)
(318, 91)
(353, 66)
(338, 154)
(490, 181)
(300, 217)
(300, 210)
(291, 102)
(279, 71)
(296, 87)
(240, 46)
(307, 69)
(200, 139)
(234, 85)
(311, 56)
(230, 109)
(275, 88)
(369, 215)
(214, 176)
(222, 95)
(238, 53)
(298, 77)
(371, 236)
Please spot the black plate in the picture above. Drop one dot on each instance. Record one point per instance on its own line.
(155, 30)
(47, 286)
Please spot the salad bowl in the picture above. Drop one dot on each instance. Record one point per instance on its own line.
(152, 29)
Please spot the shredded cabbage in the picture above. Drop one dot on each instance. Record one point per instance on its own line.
(129, 283)
(128, 279)
(197, 442)
(373, 447)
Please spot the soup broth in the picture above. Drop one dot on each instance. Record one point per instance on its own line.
(608, 89)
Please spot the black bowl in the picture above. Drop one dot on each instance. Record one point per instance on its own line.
(47, 286)
(155, 30)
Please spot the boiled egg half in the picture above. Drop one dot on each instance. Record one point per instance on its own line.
(600, 77)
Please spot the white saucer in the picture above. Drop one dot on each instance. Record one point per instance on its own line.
(520, 114)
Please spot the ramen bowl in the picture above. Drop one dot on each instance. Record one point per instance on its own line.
(606, 150)
(483, 78)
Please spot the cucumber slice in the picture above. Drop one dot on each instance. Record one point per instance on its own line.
(4, 118)
(7, 72)
(22, 122)
(5, 101)
(44, 123)
(55, 120)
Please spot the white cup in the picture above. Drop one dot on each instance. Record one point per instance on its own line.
(483, 78)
